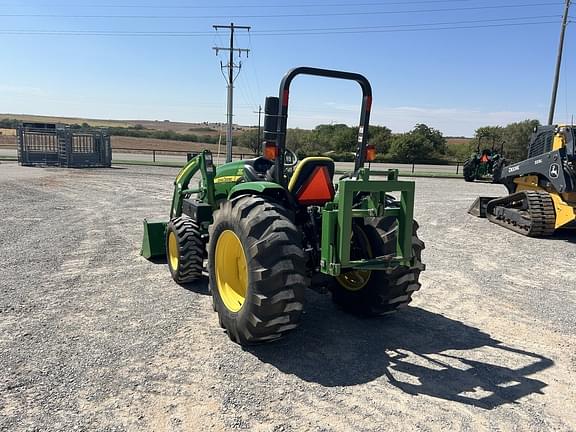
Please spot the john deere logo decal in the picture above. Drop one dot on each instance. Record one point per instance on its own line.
(554, 170)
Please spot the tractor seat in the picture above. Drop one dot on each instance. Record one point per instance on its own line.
(255, 169)
(486, 156)
(311, 183)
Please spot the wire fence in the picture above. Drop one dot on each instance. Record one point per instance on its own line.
(159, 156)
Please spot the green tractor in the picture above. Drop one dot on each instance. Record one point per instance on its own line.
(272, 226)
(483, 163)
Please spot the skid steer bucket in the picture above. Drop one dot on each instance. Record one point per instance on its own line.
(154, 241)
(478, 209)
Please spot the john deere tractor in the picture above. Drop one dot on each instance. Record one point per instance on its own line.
(482, 164)
(272, 226)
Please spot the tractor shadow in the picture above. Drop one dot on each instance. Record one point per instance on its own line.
(419, 352)
(199, 287)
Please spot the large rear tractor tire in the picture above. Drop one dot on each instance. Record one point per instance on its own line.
(469, 170)
(257, 270)
(376, 293)
(185, 250)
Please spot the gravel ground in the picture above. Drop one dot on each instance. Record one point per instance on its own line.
(93, 337)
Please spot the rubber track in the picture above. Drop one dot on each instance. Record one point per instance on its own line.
(540, 218)
(192, 249)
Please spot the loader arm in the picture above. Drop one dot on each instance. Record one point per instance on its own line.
(203, 163)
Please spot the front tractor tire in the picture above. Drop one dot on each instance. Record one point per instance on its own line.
(257, 270)
(185, 250)
(376, 293)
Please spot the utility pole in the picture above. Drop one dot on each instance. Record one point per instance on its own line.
(230, 79)
(558, 63)
(259, 141)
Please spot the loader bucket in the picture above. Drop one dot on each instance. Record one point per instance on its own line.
(478, 209)
(154, 241)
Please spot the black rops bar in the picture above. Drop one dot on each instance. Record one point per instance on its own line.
(283, 113)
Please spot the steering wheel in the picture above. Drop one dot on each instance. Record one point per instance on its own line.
(290, 158)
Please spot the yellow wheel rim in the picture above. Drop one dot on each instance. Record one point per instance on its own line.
(355, 280)
(173, 257)
(231, 270)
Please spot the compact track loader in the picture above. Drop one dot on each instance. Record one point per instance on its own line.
(542, 188)
(271, 226)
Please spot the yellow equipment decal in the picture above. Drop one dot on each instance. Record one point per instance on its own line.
(227, 179)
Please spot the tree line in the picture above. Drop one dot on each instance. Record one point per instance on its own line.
(422, 144)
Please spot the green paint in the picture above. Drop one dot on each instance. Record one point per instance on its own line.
(254, 187)
(337, 222)
(227, 182)
(154, 241)
(202, 163)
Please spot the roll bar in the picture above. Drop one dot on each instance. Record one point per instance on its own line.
(283, 97)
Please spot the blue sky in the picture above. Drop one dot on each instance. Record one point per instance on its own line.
(455, 65)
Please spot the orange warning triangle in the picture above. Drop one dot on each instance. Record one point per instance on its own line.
(318, 189)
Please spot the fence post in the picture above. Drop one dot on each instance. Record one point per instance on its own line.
(154, 156)
(457, 167)
(412, 167)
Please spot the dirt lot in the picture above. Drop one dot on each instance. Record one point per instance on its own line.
(93, 337)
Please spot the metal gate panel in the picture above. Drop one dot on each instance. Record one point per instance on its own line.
(56, 145)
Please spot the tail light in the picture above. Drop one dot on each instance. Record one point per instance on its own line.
(370, 153)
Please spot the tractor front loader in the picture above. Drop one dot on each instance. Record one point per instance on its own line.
(272, 226)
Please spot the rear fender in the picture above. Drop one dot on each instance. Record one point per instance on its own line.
(270, 189)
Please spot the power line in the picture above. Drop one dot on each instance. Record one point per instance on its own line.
(270, 33)
(230, 79)
(412, 29)
(254, 68)
(413, 25)
(299, 15)
(244, 84)
(237, 6)
(296, 31)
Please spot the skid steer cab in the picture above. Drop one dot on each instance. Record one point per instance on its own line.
(266, 229)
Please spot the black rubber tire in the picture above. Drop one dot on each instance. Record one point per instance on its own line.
(191, 250)
(385, 291)
(497, 170)
(469, 170)
(276, 269)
